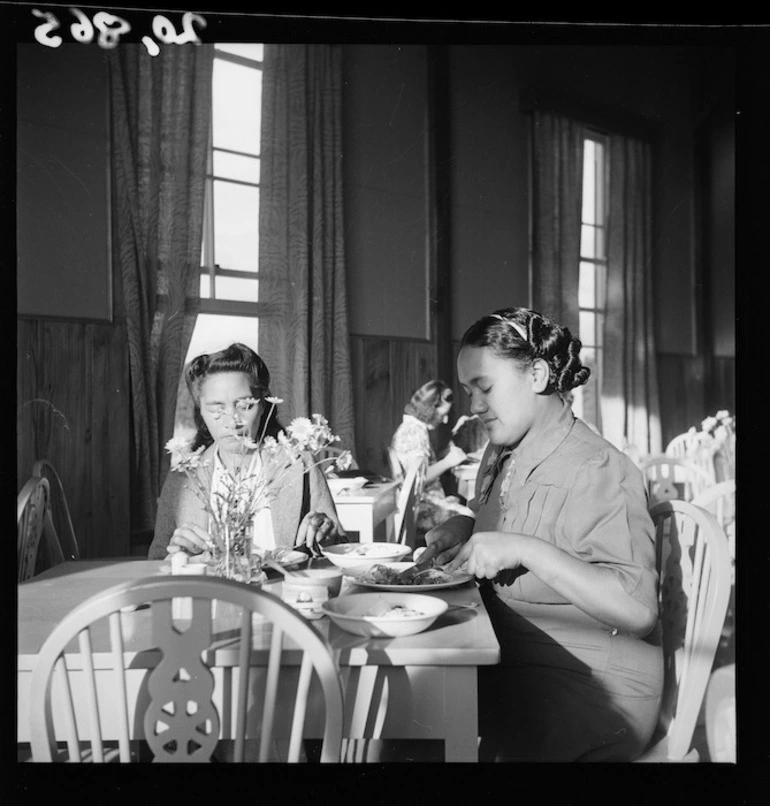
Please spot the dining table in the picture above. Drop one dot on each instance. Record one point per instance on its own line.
(369, 510)
(421, 686)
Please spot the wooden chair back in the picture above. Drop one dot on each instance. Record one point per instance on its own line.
(406, 505)
(61, 522)
(180, 720)
(33, 534)
(719, 500)
(668, 479)
(694, 568)
(689, 448)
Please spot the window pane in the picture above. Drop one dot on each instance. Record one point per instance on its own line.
(205, 286)
(600, 183)
(214, 332)
(240, 288)
(589, 183)
(587, 328)
(251, 50)
(587, 285)
(237, 107)
(235, 166)
(236, 226)
(600, 240)
(587, 241)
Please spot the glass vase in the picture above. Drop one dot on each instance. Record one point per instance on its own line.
(231, 553)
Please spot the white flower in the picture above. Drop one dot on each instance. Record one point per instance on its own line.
(344, 460)
(274, 400)
(178, 444)
(301, 429)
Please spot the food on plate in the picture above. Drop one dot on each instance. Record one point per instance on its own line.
(382, 575)
(282, 555)
(395, 611)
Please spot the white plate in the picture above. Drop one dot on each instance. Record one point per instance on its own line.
(458, 578)
(339, 486)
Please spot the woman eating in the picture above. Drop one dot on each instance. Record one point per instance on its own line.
(228, 390)
(564, 546)
(428, 407)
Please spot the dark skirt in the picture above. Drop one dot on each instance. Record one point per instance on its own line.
(567, 688)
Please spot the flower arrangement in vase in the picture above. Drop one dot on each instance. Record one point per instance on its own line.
(260, 470)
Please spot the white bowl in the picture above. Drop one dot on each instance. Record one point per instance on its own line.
(307, 590)
(339, 485)
(364, 555)
(372, 614)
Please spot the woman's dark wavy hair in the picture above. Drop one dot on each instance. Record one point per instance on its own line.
(544, 339)
(427, 399)
(235, 358)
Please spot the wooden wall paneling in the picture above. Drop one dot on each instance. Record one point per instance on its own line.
(373, 401)
(72, 394)
(385, 374)
(110, 446)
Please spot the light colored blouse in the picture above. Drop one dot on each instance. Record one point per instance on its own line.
(566, 484)
(411, 442)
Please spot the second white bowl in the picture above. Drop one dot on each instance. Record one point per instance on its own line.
(364, 555)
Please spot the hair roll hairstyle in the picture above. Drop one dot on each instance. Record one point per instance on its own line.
(524, 335)
(235, 358)
(427, 399)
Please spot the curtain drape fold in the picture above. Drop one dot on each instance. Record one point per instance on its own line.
(557, 152)
(304, 336)
(160, 121)
(630, 404)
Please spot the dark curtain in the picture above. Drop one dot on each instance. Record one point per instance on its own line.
(304, 336)
(160, 121)
(630, 404)
(557, 152)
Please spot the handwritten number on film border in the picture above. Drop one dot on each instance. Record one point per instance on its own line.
(111, 28)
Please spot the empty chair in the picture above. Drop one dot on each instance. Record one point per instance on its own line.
(61, 522)
(694, 567)
(405, 518)
(176, 703)
(668, 478)
(689, 447)
(32, 532)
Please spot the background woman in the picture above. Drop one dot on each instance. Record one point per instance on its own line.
(228, 389)
(428, 407)
(565, 547)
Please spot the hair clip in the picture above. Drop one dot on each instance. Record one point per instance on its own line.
(515, 325)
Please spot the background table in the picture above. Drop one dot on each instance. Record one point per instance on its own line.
(417, 687)
(363, 511)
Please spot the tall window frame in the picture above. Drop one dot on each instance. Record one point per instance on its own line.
(229, 289)
(592, 279)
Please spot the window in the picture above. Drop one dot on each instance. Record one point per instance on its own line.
(229, 287)
(592, 281)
